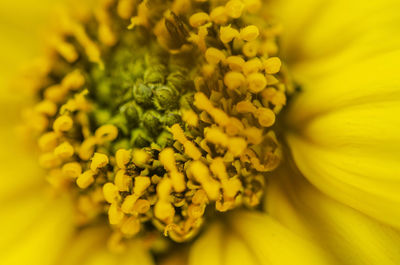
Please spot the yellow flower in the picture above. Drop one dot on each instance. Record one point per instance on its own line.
(333, 200)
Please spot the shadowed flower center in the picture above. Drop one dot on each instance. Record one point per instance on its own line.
(158, 113)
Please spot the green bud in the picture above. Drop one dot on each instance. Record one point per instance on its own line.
(132, 112)
(142, 94)
(171, 118)
(140, 138)
(177, 80)
(165, 97)
(155, 74)
(165, 139)
(152, 122)
(186, 101)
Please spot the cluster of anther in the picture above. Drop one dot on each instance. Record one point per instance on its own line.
(158, 123)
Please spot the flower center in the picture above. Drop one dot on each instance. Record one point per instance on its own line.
(159, 124)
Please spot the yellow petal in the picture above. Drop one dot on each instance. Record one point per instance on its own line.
(352, 237)
(346, 178)
(41, 237)
(19, 168)
(207, 249)
(236, 252)
(346, 138)
(136, 254)
(322, 36)
(20, 24)
(375, 79)
(273, 244)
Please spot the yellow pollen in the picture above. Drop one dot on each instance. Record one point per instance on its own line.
(122, 157)
(234, 80)
(266, 117)
(62, 124)
(190, 117)
(235, 63)
(202, 175)
(249, 33)
(252, 66)
(115, 215)
(257, 82)
(111, 193)
(48, 141)
(252, 6)
(198, 19)
(251, 49)
(73, 80)
(64, 150)
(227, 34)
(106, 133)
(272, 65)
(140, 157)
(46, 107)
(122, 180)
(214, 56)
(49, 160)
(131, 226)
(218, 15)
(72, 169)
(85, 179)
(234, 8)
(98, 161)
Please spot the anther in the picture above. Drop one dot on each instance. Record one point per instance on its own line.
(85, 179)
(62, 124)
(98, 161)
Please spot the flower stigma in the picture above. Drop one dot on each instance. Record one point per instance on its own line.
(156, 114)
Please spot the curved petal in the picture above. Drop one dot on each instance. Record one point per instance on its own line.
(273, 244)
(207, 249)
(135, 255)
(352, 237)
(19, 170)
(38, 235)
(322, 36)
(236, 252)
(346, 138)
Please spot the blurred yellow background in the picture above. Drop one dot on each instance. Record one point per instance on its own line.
(21, 26)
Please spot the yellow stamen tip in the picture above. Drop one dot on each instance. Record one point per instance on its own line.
(64, 150)
(72, 169)
(85, 179)
(63, 124)
(98, 161)
(214, 56)
(199, 19)
(256, 82)
(234, 80)
(115, 215)
(234, 8)
(123, 181)
(227, 34)
(249, 33)
(272, 65)
(106, 133)
(122, 157)
(111, 193)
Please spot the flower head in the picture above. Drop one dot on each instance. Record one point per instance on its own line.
(163, 120)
